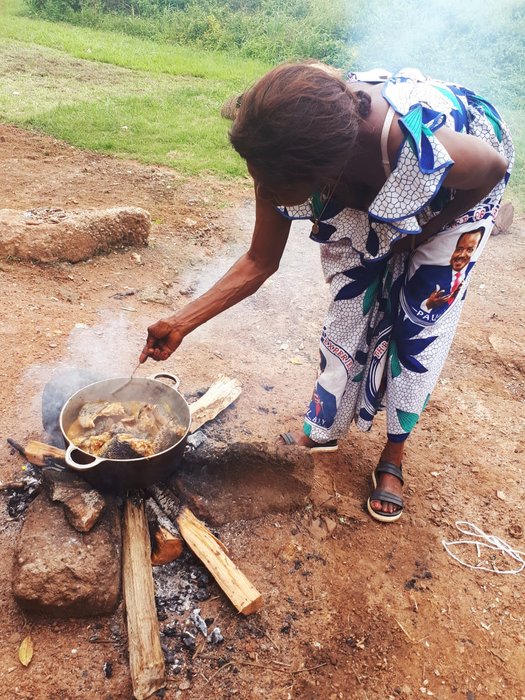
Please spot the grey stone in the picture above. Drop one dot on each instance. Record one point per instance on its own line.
(243, 481)
(155, 295)
(62, 572)
(83, 504)
(84, 509)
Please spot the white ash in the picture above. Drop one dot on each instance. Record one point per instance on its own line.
(216, 636)
(19, 497)
(199, 623)
(196, 440)
(180, 584)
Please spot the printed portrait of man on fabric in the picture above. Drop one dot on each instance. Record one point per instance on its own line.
(432, 289)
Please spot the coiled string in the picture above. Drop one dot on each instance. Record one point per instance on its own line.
(488, 541)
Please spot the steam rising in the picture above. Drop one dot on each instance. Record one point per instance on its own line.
(105, 350)
(477, 43)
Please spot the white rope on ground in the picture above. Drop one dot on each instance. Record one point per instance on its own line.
(491, 542)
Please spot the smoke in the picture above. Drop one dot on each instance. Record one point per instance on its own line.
(108, 349)
(477, 43)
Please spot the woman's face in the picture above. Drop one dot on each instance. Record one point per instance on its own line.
(284, 196)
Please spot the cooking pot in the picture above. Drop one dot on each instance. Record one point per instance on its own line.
(127, 474)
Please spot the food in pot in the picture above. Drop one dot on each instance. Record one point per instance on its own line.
(128, 430)
(90, 412)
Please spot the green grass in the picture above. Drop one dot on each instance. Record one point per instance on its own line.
(84, 85)
(179, 128)
(122, 50)
(168, 97)
(516, 188)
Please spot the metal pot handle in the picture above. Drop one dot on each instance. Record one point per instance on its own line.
(167, 375)
(75, 465)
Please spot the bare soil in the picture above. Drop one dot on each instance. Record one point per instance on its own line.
(370, 612)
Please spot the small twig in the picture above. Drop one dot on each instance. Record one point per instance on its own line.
(413, 641)
(497, 656)
(280, 663)
(404, 630)
(266, 668)
(230, 663)
(312, 668)
(267, 635)
(355, 674)
(199, 651)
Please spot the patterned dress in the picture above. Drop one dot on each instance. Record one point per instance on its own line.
(390, 324)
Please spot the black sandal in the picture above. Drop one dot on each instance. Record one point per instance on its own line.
(380, 495)
(320, 447)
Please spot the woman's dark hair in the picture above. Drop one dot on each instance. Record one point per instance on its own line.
(299, 123)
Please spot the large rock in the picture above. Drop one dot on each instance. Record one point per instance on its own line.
(243, 481)
(65, 573)
(51, 235)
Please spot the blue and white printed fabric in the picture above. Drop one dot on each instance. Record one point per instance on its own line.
(392, 318)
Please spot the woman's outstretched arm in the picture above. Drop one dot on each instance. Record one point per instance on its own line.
(242, 280)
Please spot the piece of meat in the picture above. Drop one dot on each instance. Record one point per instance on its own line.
(94, 444)
(146, 420)
(162, 415)
(90, 412)
(102, 425)
(167, 436)
(143, 447)
(119, 448)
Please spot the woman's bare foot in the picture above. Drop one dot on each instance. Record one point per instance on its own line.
(393, 452)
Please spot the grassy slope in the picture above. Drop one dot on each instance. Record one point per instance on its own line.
(84, 85)
(168, 97)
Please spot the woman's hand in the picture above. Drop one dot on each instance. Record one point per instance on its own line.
(164, 337)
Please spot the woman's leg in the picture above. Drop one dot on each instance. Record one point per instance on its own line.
(431, 301)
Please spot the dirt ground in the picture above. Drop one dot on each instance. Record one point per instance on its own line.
(371, 612)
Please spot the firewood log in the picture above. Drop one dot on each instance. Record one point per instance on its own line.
(40, 454)
(218, 397)
(244, 596)
(146, 659)
(165, 537)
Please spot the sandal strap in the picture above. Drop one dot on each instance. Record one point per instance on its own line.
(288, 439)
(389, 468)
(380, 495)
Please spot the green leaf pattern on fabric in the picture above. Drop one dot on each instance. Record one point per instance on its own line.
(359, 376)
(449, 95)
(494, 121)
(370, 296)
(407, 420)
(395, 365)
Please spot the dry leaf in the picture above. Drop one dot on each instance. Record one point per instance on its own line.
(25, 653)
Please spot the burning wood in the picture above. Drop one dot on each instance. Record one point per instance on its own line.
(167, 543)
(166, 500)
(40, 454)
